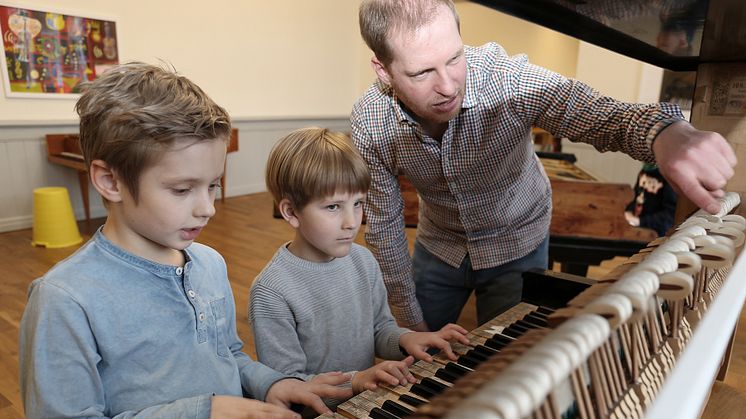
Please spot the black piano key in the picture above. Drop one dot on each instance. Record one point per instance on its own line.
(539, 321)
(544, 310)
(412, 401)
(539, 315)
(498, 341)
(468, 361)
(513, 333)
(476, 355)
(485, 350)
(457, 369)
(378, 413)
(526, 324)
(518, 328)
(423, 391)
(433, 385)
(501, 337)
(396, 409)
(447, 375)
(495, 344)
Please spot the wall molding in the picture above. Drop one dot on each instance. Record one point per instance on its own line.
(24, 166)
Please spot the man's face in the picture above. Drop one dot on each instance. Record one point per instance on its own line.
(428, 71)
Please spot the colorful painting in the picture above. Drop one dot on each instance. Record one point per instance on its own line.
(48, 54)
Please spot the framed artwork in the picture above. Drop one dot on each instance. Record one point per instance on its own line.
(47, 54)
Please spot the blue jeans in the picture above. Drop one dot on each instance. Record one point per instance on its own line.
(443, 290)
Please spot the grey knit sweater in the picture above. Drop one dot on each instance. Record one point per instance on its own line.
(310, 318)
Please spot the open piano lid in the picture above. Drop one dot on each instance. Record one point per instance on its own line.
(673, 34)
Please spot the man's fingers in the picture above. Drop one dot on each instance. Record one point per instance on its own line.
(727, 151)
(700, 196)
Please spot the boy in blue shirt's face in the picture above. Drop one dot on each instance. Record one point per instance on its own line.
(174, 200)
(141, 320)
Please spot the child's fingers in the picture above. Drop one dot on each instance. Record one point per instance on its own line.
(332, 378)
(420, 354)
(457, 328)
(454, 332)
(389, 375)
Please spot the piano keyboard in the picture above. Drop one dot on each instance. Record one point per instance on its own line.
(607, 354)
(434, 378)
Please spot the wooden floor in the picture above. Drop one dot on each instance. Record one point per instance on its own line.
(246, 234)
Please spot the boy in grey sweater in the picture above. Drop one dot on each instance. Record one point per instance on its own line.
(320, 304)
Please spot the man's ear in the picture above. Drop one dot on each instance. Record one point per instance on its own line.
(288, 212)
(105, 181)
(381, 71)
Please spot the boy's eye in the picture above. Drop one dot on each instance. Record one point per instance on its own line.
(214, 186)
(180, 191)
(332, 207)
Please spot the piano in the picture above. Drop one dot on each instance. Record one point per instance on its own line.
(576, 348)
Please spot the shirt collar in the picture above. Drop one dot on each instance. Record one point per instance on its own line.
(163, 271)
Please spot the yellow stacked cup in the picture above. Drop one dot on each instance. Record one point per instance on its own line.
(54, 221)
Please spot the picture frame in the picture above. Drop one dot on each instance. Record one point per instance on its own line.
(48, 53)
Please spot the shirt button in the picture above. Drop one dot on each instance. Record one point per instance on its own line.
(179, 270)
(201, 317)
(191, 293)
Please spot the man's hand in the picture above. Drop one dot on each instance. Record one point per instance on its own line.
(696, 163)
(232, 407)
(291, 390)
(387, 372)
(416, 343)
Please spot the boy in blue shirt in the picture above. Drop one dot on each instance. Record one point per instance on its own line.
(140, 321)
(320, 304)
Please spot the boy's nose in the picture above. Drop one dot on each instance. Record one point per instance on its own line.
(205, 207)
(349, 221)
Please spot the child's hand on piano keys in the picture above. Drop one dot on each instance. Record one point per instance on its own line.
(309, 393)
(417, 343)
(387, 372)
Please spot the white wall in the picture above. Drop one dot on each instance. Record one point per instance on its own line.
(256, 58)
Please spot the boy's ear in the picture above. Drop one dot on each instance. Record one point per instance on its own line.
(105, 181)
(381, 71)
(287, 210)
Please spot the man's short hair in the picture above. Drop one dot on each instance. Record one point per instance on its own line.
(379, 19)
(315, 163)
(134, 112)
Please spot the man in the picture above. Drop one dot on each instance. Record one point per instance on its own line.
(456, 121)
